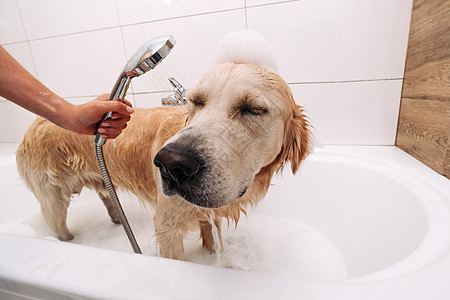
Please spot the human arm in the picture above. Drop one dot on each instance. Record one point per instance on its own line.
(22, 88)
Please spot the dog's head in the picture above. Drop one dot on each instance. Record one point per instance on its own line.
(241, 119)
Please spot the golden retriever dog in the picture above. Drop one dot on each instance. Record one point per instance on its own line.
(217, 153)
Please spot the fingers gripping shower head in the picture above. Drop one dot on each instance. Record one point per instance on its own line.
(143, 60)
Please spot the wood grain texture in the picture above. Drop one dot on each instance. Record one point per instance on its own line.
(447, 158)
(423, 131)
(424, 121)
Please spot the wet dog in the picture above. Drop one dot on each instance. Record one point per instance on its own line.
(218, 153)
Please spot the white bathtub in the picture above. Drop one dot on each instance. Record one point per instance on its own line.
(354, 223)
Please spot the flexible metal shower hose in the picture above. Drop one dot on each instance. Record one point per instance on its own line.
(115, 199)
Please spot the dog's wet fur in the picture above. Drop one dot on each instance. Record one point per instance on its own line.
(219, 152)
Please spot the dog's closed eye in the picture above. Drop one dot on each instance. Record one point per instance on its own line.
(252, 109)
(248, 106)
(198, 99)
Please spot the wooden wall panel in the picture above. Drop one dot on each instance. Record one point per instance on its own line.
(424, 121)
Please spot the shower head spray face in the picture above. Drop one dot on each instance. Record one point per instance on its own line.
(149, 55)
(143, 60)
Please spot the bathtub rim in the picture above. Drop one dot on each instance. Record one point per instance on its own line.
(202, 282)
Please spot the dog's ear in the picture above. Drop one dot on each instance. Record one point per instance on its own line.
(297, 139)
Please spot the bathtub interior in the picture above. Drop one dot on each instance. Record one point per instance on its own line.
(373, 219)
(340, 217)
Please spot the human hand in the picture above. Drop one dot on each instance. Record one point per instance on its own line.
(87, 115)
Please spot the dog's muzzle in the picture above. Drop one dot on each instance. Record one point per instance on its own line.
(176, 166)
(188, 169)
(182, 173)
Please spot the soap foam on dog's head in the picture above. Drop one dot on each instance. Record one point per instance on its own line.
(246, 46)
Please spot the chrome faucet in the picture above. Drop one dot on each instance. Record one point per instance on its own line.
(178, 97)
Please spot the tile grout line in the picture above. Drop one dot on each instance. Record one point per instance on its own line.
(124, 48)
(245, 11)
(289, 83)
(273, 3)
(27, 40)
(345, 81)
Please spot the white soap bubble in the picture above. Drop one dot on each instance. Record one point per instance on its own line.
(246, 46)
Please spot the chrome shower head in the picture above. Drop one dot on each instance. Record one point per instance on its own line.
(148, 56)
(143, 60)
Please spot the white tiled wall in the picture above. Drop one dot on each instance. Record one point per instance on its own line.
(344, 59)
(80, 64)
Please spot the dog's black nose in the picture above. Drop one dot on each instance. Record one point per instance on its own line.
(175, 164)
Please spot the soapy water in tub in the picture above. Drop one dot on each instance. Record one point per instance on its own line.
(260, 243)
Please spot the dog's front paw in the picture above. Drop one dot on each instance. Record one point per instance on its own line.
(115, 220)
(211, 235)
(65, 237)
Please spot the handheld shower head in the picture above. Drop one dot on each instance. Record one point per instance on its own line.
(143, 60)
